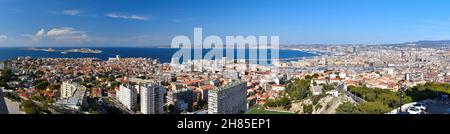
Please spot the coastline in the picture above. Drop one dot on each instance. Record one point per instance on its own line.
(65, 51)
(313, 53)
(162, 54)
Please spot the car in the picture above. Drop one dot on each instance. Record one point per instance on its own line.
(414, 110)
(421, 106)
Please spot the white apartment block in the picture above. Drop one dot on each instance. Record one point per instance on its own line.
(152, 98)
(73, 95)
(228, 99)
(127, 95)
(68, 89)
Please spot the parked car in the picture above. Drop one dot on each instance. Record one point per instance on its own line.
(421, 106)
(414, 110)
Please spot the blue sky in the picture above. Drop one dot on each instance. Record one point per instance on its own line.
(155, 22)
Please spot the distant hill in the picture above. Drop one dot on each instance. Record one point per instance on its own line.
(430, 43)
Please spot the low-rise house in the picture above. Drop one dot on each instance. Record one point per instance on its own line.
(316, 90)
(333, 92)
(278, 87)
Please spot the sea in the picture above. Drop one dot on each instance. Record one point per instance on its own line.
(162, 54)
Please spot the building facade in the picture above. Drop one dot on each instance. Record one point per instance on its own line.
(228, 99)
(73, 95)
(68, 89)
(127, 95)
(152, 98)
(181, 98)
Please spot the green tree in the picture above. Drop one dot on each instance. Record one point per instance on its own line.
(284, 102)
(298, 89)
(29, 107)
(13, 96)
(5, 77)
(54, 87)
(271, 103)
(347, 108)
(42, 85)
(308, 109)
(373, 108)
(328, 87)
(315, 99)
(315, 75)
(308, 77)
(428, 90)
(170, 108)
(115, 84)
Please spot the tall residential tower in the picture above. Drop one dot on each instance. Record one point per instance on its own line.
(228, 99)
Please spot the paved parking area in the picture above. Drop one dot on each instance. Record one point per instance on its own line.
(438, 107)
(435, 106)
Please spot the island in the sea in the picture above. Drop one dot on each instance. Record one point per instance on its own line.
(76, 50)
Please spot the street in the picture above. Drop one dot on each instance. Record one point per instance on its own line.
(438, 107)
(435, 106)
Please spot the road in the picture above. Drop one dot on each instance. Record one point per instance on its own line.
(342, 88)
(434, 106)
(438, 107)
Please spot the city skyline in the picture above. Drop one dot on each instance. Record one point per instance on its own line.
(220, 65)
(154, 23)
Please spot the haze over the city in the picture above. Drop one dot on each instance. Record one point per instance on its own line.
(154, 23)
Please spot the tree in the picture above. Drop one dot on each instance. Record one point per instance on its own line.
(111, 78)
(308, 77)
(42, 85)
(170, 108)
(363, 108)
(29, 107)
(271, 103)
(318, 106)
(284, 102)
(201, 104)
(308, 109)
(337, 73)
(54, 87)
(315, 99)
(347, 108)
(12, 95)
(428, 90)
(298, 89)
(392, 100)
(115, 84)
(373, 108)
(315, 75)
(281, 102)
(384, 96)
(5, 77)
(328, 87)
